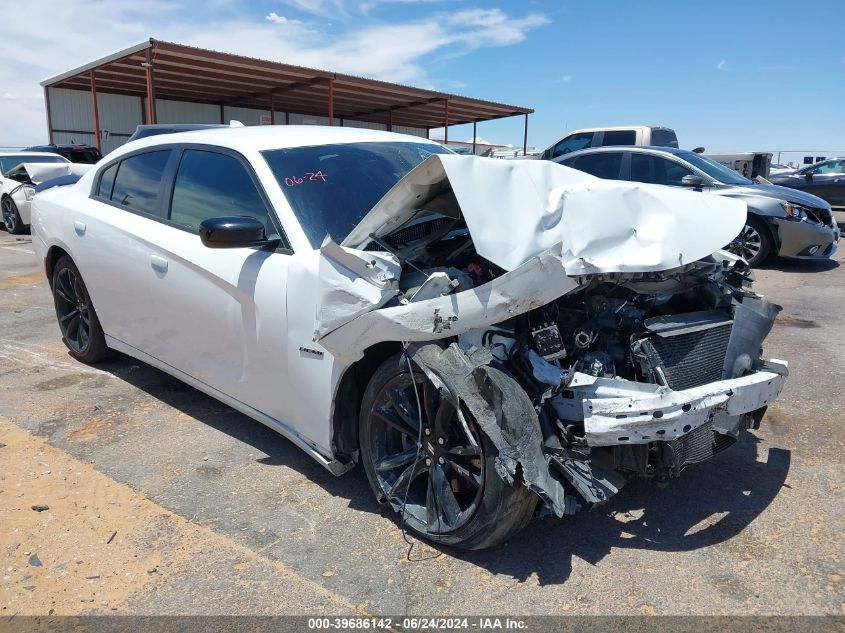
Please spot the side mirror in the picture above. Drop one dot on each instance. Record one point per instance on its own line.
(695, 182)
(234, 231)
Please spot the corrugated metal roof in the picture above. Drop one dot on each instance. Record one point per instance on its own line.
(186, 73)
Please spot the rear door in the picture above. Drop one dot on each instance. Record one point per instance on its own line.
(111, 241)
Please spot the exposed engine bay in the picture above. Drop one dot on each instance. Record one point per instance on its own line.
(628, 372)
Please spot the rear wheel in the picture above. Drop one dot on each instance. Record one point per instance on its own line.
(11, 218)
(754, 242)
(78, 322)
(434, 469)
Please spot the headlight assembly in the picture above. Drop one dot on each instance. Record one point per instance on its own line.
(793, 211)
(29, 192)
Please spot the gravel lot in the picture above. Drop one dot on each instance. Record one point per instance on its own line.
(162, 500)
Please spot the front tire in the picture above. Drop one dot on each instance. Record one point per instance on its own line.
(11, 217)
(754, 242)
(78, 322)
(446, 485)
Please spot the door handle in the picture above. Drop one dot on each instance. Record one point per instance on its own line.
(79, 227)
(158, 263)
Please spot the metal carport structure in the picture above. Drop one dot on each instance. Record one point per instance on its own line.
(154, 71)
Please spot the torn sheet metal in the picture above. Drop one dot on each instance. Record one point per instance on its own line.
(516, 210)
(350, 283)
(534, 284)
(618, 411)
(503, 411)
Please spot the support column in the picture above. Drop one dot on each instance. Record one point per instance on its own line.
(445, 121)
(331, 101)
(222, 114)
(390, 120)
(525, 137)
(49, 114)
(473, 138)
(151, 91)
(96, 111)
(272, 108)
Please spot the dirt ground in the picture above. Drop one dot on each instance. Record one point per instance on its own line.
(164, 501)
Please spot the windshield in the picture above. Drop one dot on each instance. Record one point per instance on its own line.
(725, 175)
(10, 162)
(332, 187)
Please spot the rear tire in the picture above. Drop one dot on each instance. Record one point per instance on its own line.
(11, 217)
(455, 497)
(78, 322)
(754, 242)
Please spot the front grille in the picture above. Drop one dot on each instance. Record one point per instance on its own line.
(690, 358)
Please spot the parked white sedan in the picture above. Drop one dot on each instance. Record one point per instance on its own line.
(484, 336)
(17, 185)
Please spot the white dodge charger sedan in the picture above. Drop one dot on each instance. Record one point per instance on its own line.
(489, 338)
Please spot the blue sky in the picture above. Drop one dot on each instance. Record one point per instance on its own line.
(726, 75)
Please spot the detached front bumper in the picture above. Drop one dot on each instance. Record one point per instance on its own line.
(619, 412)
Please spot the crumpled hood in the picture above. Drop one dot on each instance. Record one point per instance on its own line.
(516, 210)
(778, 192)
(40, 172)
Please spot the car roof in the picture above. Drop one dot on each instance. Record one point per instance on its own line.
(643, 149)
(262, 137)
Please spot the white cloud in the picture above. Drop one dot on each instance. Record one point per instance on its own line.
(722, 65)
(275, 18)
(565, 79)
(390, 51)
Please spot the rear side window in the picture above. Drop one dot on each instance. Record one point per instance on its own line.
(601, 164)
(620, 137)
(107, 182)
(138, 181)
(210, 185)
(663, 137)
(572, 143)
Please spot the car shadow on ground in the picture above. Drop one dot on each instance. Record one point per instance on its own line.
(799, 265)
(710, 503)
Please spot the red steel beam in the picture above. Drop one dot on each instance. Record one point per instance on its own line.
(96, 111)
(49, 114)
(331, 101)
(525, 137)
(473, 138)
(151, 95)
(445, 121)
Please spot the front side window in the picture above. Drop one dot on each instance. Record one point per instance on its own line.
(657, 170)
(620, 137)
(601, 164)
(572, 144)
(332, 187)
(138, 180)
(210, 185)
(832, 167)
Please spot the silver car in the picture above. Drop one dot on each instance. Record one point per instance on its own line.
(781, 221)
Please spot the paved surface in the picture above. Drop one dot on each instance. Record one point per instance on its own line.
(234, 519)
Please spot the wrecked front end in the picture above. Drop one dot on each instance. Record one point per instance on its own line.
(592, 331)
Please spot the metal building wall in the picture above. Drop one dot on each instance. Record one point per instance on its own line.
(71, 117)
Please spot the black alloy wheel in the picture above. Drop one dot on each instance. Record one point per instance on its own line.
(435, 469)
(78, 322)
